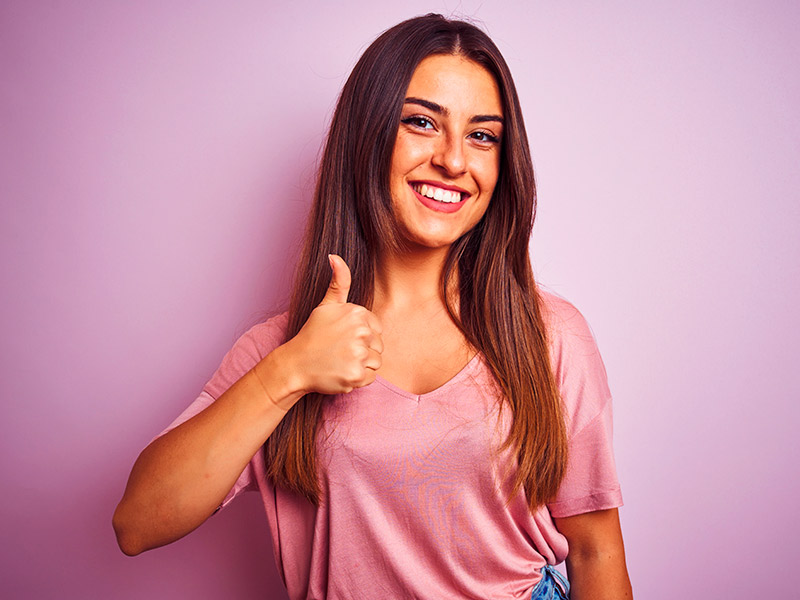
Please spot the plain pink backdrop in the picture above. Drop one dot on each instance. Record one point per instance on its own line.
(156, 163)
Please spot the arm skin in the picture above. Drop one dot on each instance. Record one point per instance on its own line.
(596, 560)
(181, 478)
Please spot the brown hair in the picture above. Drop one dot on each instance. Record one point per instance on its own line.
(499, 308)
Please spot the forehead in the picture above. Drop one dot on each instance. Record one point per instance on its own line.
(456, 82)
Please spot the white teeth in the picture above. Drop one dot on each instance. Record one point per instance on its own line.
(437, 193)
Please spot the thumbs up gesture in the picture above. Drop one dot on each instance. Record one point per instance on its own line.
(339, 347)
(339, 287)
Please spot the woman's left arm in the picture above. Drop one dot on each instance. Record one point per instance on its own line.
(596, 560)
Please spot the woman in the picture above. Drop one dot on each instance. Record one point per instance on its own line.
(423, 423)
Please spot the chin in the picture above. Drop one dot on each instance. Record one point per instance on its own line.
(430, 242)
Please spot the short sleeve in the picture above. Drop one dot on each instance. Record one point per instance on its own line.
(591, 481)
(246, 353)
(248, 350)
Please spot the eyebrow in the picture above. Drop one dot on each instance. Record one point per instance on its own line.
(441, 110)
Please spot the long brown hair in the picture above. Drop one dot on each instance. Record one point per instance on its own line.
(498, 310)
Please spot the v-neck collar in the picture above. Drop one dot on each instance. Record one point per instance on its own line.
(464, 372)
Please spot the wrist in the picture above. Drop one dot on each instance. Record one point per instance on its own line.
(278, 379)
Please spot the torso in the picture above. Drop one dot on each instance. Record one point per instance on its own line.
(423, 349)
(406, 476)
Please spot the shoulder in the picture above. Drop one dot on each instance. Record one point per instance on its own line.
(249, 349)
(260, 339)
(565, 323)
(264, 337)
(576, 362)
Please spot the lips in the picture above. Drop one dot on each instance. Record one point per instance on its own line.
(440, 198)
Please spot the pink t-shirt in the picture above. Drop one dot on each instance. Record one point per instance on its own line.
(415, 491)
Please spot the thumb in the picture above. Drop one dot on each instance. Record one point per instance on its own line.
(340, 281)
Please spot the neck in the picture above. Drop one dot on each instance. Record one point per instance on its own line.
(409, 280)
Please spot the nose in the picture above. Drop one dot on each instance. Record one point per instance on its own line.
(449, 155)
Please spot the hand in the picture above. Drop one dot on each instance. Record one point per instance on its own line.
(339, 347)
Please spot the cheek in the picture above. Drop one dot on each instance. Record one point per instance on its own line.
(480, 213)
(489, 180)
(492, 172)
(408, 154)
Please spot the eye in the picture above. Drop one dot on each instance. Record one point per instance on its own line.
(484, 137)
(418, 122)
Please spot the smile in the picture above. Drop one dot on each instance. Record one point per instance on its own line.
(438, 194)
(439, 199)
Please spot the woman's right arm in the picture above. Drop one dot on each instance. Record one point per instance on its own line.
(181, 478)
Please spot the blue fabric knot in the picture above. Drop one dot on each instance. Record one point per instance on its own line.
(553, 585)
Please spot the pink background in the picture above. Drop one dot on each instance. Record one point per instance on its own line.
(156, 163)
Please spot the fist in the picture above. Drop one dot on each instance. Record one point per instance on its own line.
(339, 347)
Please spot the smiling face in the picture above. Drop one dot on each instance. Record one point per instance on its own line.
(446, 158)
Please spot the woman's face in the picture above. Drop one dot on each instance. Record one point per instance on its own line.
(446, 157)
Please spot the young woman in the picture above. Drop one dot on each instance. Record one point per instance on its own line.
(423, 422)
